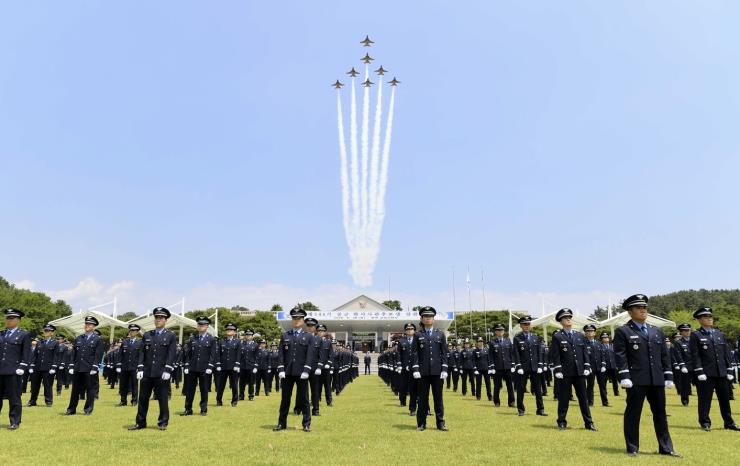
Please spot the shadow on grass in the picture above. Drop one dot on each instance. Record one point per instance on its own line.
(404, 426)
(620, 451)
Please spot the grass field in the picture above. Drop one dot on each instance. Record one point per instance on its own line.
(365, 426)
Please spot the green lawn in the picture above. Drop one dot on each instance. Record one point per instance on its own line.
(366, 426)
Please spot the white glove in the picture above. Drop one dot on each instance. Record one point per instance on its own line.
(318, 371)
(52, 371)
(626, 383)
(30, 371)
(475, 372)
(443, 375)
(209, 371)
(730, 377)
(675, 368)
(166, 376)
(237, 369)
(304, 375)
(139, 375)
(512, 370)
(455, 369)
(416, 375)
(399, 370)
(93, 372)
(186, 371)
(702, 378)
(326, 366)
(603, 369)
(118, 370)
(520, 371)
(71, 372)
(218, 369)
(20, 371)
(491, 371)
(684, 370)
(586, 372)
(669, 384)
(539, 370)
(281, 375)
(331, 372)
(254, 371)
(558, 375)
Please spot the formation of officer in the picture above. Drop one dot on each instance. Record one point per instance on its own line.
(408, 385)
(199, 361)
(87, 353)
(529, 363)
(501, 352)
(44, 365)
(127, 363)
(482, 371)
(248, 364)
(596, 357)
(154, 369)
(228, 365)
(429, 367)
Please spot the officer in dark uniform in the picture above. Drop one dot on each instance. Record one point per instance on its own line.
(467, 367)
(248, 364)
(15, 358)
(367, 360)
(295, 354)
(710, 352)
(598, 366)
(454, 363)
(127, 362)
(429, 367)
(228, 365)
(200, 359)
(154, 369)
(482, 363)
(450, 363)
(61, 357)
(686, 372)
(314, 375)
(529, 365)
(645, 372)
(501, 353)
(263, 366)
(408, 386)
(274, 381)
(569, 357)
(325, 351)
(43, 366)
(610, 363)
(87, 352)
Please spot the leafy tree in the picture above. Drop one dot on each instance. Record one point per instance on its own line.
(309, 306)
(480, 321)
(393, 304)
(276, 308)
(126, 316)
(38, 307)
(264, 323)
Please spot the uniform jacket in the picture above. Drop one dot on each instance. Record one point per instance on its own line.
(482, 361)
(15, 351)
(569, 355)
(296, 353)
(86, 353)
(501, 353)
(46, 356)
(710, 353)
(527, 352)
(158, 353)
(644, 359)
(429, 356)
(127, 358)
(405, 346)
(201, 353)
(229, 352)
(249, 354)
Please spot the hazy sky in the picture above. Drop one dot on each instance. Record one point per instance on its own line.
(154, 150)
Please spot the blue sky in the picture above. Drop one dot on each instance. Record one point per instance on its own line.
(572, 150)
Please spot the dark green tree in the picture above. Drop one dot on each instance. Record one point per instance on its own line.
(393, 304)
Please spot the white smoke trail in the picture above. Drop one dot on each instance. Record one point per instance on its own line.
(343, 175)
(375, 155)
(354, 162)
(365, 132)
(384, 163)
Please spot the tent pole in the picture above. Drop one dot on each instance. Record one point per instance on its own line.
(181, 331)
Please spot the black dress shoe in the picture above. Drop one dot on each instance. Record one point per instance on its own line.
(632, 453)
(219, 403)
(706, 428)
(13, 427)
(204, 413)
(443, 428)
(307, 428)
(251, 398)
(541, 413)
(732, 427)
(31, 403)
(187, 412)
(87, 413)
(421, 428)
(591, 427)
(296, 412)
(69, 413)
(48, 405)
(497, 404)
(233, 404)
(562, 426)
(512, 405)
(134, 402)
(315, 413)
(606, 405)
(122, 403)
(162, 427)
(136, 427)
(279, 427)
(671, 453)
(520, 413)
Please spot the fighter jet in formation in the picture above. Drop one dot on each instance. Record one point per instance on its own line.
(381, 71)
(367, 41)
(367, 83)
(337, 85)
(394, 82)
(352, 72)
(367, 59)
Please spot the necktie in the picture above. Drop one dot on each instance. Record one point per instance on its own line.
(644, 329)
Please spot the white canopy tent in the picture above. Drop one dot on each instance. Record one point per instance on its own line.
(178, 321)
(75, 323)
(549, 321)
(624, 317)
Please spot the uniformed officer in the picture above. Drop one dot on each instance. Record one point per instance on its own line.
(408, 387)
(568, 355)
(686, 372)
(529, 365)
(610, 362)
(61, 374)
(314, 378)
(482, 364)
(263, 365)
(15, 358)
(501, 353)
(154, 369)
(127, 362)
(453, 361)
(325, 351)
(228, 365)
(248, 360)
(450, 363)
(200, 357)
(645, 372)
(429, 367)
(43, 366)
(273, 380)
(598, 366)
(367, 360)
(87, 352)
(710, 352)
(467, 367)
(295, 361)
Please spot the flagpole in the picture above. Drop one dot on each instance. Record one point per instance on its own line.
(454, 301)
(470, 303)
(485, 311)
